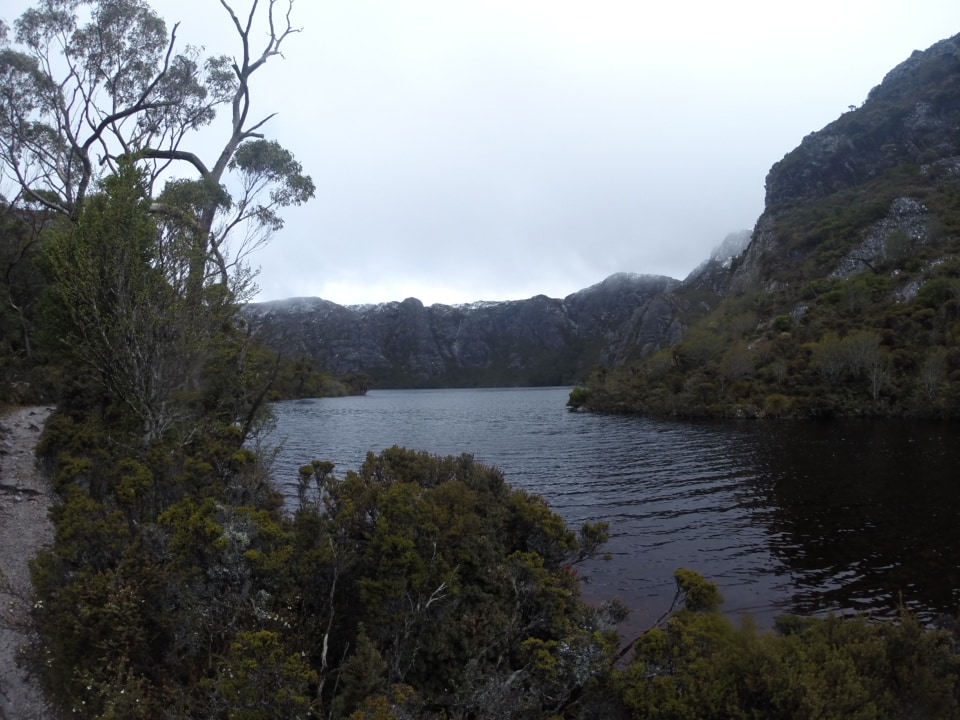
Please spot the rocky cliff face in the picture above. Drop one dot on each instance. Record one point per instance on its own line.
(538, 341)
(832, 202)
(911, 117)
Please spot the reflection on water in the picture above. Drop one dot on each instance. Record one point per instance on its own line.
(783, 516)
(864, 514)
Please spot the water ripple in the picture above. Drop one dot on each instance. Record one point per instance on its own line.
(782, 516)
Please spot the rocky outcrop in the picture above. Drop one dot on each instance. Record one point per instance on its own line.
(536, 341)
(913, 116)
(904, 226)
(850, 194)
(713, 274)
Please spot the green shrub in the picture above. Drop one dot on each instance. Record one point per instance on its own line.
(777, 405)
(783, 323)
(699, 665)
(578, 397)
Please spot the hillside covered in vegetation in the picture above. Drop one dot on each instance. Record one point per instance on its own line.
(847, 299)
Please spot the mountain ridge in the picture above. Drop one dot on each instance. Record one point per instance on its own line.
(535, 341)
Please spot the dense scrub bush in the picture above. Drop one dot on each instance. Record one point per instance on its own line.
(176, 583)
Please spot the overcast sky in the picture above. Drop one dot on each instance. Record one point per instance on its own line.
(496, 149)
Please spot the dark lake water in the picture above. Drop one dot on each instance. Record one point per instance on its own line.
(784, 516)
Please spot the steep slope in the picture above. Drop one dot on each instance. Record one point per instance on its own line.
(539, 341)
(889, 165)
(847, 299)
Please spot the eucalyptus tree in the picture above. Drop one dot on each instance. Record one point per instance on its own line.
(87, 84)
(92, 90)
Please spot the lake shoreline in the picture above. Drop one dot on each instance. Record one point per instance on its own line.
(846, 516)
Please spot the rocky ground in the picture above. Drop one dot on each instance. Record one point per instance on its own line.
(25, 498)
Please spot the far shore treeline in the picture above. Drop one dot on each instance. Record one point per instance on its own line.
(413, 586)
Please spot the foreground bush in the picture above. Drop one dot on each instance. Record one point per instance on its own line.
(177, 587)
(699, 665)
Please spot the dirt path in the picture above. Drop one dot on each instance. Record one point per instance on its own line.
(25, 498)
